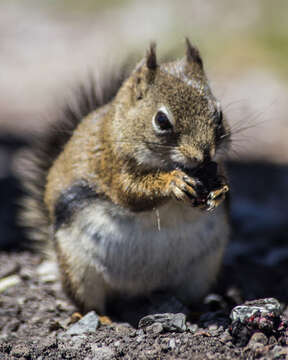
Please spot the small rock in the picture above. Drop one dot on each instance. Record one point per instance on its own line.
(8, 282)
(258, 337)
(123, 329)
(170, 322)
(102, 353)
(75, 342)
(263, 306)
(20, 350)
(155, 328)
(47, 272)
(225, 337)
(256, 347)
(213, 327)
(192, 328)
(140, 338)
(140, 332)
(89, 323)
(26, 274)
(279, 352)
(240, 333)
(215, 302)
(172, 344)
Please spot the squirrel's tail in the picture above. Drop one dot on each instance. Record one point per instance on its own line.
(33, 216)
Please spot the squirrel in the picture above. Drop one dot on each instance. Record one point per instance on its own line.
(131, 198)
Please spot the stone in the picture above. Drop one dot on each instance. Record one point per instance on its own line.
(215, 302)
(256, 347)
(258, 337)
(213, 327)
(9, 281)
(263, 306)
(89, 323)
(47, 272)
(20, 350)
(75, 342)
(172, 344)
(140, 338)
(155, 328)
(280, 352)
(192, 328)
(225, 337)
(123, 329)
(169, 322)
(102, 353)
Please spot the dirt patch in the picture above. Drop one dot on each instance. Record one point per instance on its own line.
(35, 316)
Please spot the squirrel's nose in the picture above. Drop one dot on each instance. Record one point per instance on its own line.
(204, 156)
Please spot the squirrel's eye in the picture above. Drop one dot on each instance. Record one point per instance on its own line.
(161, 122)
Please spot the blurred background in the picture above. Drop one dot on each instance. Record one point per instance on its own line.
(46, 47)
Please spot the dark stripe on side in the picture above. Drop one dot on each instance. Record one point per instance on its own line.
(72, 200)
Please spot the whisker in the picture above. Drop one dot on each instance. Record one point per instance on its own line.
(232, 103)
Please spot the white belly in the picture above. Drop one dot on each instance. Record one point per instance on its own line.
(139, 253)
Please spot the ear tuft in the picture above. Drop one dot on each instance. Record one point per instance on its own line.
(151, 60)
(192, 54)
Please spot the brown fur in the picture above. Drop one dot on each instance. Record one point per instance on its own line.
(115, 149)
(34, 216)
(102, 148)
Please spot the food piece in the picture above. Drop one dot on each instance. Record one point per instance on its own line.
(212, 186)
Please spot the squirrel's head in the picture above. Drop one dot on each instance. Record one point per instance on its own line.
(166, 115)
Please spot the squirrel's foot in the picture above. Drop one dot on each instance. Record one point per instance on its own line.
(182, 186)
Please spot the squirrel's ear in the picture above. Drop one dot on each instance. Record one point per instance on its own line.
(144, 73)
(151, 60)
(192, 55)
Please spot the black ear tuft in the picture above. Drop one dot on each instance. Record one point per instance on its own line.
(192, 54)
(151, 60)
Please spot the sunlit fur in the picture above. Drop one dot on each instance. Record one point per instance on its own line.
(112, 243)
(183, 91)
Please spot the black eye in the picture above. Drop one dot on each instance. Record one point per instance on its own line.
(162, 123)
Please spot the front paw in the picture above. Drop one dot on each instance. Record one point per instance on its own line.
(182, 187)
(216, 197)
